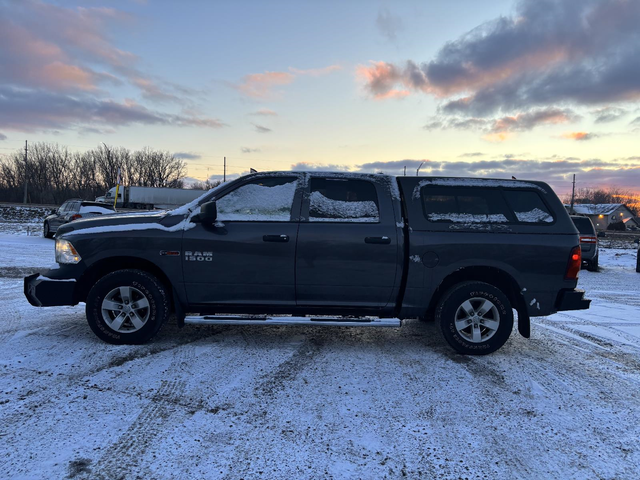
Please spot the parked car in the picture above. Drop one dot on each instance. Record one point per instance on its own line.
(71, 210)
(326, 249)
(588, 241)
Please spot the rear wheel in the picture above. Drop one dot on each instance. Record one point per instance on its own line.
(46, 231)
(475, 318)
(127, 307)
(592, 266)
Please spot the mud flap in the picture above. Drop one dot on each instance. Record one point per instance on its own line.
(177, 306)
(524, 322)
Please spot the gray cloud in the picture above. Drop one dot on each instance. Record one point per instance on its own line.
(550, 52)
(2, 137)
(249, 150)
(261, 129)
(471, 154)
(389, 25)
(27, 110)
(187, 155)
(608, 114)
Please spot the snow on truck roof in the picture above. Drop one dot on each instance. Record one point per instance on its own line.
(391, 181)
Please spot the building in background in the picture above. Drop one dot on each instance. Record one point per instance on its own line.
(604, 214)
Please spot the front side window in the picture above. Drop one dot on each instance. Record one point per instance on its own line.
(261, 200)
(343, 200)
(464, 205)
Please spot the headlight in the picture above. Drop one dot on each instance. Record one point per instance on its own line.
(65, 252)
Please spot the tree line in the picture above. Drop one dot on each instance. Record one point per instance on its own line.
(54, 174)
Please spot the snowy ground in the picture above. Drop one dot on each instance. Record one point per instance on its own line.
(285, 402)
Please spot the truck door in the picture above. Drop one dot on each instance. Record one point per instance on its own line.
(248, 256)
(347, 245)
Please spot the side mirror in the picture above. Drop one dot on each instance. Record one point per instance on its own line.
(208, 213)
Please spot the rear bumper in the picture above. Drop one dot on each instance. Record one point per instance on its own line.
(572, 300)
(49, 292)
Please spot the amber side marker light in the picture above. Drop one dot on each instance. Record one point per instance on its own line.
(575, 262)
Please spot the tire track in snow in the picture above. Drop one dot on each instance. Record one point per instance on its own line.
(126, 454)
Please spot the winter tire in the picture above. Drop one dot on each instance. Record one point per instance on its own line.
(127, 307)
(475, 318)
(592, 266)
(46, 231)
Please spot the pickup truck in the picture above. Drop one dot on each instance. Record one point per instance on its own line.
(324, 248)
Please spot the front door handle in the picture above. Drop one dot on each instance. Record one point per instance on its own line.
(381, 240)
(275, 238)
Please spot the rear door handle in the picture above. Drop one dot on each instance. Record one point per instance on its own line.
(275, 238)
(381, 240)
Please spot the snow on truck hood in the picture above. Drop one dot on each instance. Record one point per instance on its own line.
(161, 220)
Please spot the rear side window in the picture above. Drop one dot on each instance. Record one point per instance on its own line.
(342, 200)
(584, 225)
(464, 205)
(528, 207)
(261, 200)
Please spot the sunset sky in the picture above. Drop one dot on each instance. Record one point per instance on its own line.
(538, 89)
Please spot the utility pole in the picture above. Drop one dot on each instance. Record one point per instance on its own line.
(224, 171)
(418, 170)
(26, 172)
(573, 194)
(405, 170)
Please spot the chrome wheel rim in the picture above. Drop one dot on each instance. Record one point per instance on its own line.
(477, 320)
(125, 309)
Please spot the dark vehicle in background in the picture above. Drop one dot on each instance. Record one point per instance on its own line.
(588, 241)
(326, 249)
(71, 210)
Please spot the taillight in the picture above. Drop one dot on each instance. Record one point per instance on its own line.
(588, 240)
(575, 262)
(75, 217)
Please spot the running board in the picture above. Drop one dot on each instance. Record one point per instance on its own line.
(315, 321)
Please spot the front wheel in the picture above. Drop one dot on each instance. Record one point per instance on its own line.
(46, 231)
(127, 307)
(475, 318)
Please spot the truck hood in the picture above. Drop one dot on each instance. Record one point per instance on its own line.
(123, 222)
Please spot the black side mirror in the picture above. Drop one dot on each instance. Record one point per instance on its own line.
(208, 213)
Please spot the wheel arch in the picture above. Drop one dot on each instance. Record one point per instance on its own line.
(111, 264)
(493, 276)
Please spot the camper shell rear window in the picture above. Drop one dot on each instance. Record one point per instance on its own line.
(484, 205)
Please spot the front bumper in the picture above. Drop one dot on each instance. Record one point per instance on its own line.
(43, 291)
(572, 300)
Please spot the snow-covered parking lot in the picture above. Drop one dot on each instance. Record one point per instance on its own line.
(304, 402)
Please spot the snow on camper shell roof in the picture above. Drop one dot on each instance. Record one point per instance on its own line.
(596, 208)
(473, 182)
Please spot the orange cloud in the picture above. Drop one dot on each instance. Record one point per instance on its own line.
(497, 137)
(578, 136)
(259, 85)
(316, 72)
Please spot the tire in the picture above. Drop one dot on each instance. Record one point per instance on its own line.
(46, 231)
(482, 334)
(127, 307)
(592, 266)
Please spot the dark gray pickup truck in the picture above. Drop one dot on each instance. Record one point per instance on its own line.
(336, 249)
